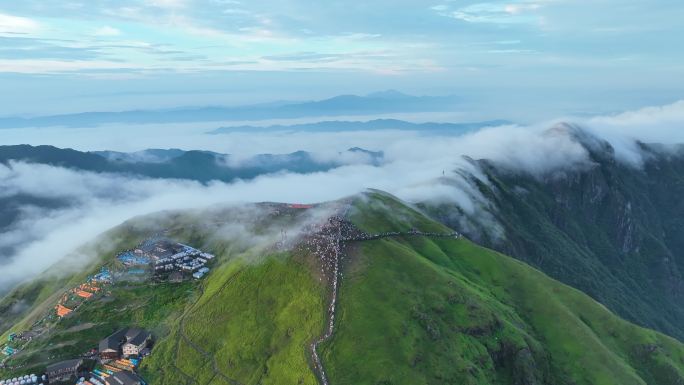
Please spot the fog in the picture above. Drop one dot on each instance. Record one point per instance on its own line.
(413, 167)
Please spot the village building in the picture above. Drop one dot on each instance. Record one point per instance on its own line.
(136, 341)
(158, 249)
(126, 342)
(123, 378)
(110, 347)
(176, 277)
(66, 370)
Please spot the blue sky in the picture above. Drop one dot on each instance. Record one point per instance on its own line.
(562, 56)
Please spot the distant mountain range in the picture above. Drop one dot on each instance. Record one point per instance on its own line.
(201, 166)
(376, 103)
(377, 124)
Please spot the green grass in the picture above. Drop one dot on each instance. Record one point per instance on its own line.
(252, 324)
(445, 311)
(412, 310)
(147, 306)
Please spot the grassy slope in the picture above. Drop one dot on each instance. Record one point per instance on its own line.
(418, 311)
(32, 299)
(612, 231)
(253, 320)
(411, 311)
(146, 306)
(252, 324)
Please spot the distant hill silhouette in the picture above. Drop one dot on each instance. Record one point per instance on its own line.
(378, 124)
(201, 166)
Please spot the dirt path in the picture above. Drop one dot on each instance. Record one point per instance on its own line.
(316, 359)
(338, 241)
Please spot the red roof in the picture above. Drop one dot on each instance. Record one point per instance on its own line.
(300, 206)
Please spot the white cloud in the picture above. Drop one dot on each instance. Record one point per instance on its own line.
(107, 31)
(660, 124)
(494, 12)
(413, 167)
(515, 9)
(413, 164)
(10, 24)
(167, 4)
(38, 66)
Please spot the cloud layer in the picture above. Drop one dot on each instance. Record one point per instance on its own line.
(414, 165)
(97, 55)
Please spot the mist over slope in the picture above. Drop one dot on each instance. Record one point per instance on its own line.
(412, 166)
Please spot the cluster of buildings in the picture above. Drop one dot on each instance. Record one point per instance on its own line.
(84, 371)
(75, 297)
(67, 370)
(8, 350)
(14, 344)
(167, 257)
(28, 379)
(131, 342)
(120, 355)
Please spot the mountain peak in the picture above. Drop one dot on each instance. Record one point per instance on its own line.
(389, 94)
(592, 143)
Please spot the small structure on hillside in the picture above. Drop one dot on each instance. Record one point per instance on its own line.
(136, 341)
(66, 370)
(27, 379)
(124, 378)
(63, 311)
(200, 273)
(299, 206)
(125, 342)
(157, 249)
(176, 277)
(167, 257)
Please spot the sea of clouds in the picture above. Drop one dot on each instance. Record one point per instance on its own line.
(413, 165)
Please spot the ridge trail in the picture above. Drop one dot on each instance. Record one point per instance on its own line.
(328, 244)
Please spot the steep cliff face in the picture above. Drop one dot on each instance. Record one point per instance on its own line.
(612, 230)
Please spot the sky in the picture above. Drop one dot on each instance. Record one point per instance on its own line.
(536, 58)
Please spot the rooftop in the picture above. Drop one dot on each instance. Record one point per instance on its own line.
(124, 378)
(69, 364)
(113, 342)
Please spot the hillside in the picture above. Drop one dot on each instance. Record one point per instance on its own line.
(415, 304)
(612, 230)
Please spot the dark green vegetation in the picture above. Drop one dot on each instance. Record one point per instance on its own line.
(134, 304)
(611, 230)
(411, 310)
(202, 166)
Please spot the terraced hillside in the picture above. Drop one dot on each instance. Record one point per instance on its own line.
(416, 304)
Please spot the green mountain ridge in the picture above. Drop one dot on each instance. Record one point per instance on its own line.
(415, 305)
(610, 229)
